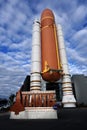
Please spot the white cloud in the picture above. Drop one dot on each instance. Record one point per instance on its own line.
(80, 43)
(77, 69)
(80, 38)
(80, 13)
(76, 57)
(24, 45)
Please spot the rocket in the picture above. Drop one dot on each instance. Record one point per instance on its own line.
(49, 60)
(68, 99)
(35, 79)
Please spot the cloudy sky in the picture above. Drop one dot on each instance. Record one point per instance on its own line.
(16, 18)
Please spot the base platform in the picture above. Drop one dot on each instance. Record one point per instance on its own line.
(35, 113)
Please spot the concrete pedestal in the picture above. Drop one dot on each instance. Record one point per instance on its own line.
(35, 113)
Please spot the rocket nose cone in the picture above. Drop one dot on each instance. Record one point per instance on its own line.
(47, 13)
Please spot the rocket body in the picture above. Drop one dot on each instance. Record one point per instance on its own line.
(49, 47)
(68, 99)
(49, 57)
(35, 80)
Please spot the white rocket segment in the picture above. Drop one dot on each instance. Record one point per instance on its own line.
(36, 58)
(35, 67)
(68, 97)
(62, 50)
(34, 55)
(35, 76)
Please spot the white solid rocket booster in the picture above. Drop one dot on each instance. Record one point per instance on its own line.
(35, 80)
(68, 99)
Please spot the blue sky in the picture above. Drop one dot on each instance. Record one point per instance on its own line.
(16, 19)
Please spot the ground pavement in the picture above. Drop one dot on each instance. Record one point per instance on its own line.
(74, 118)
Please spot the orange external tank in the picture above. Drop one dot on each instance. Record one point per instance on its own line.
(49, 47)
